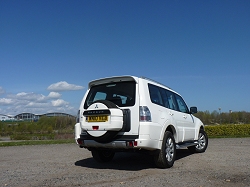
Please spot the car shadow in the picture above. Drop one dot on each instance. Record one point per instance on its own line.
(128, 161)
(182, 153)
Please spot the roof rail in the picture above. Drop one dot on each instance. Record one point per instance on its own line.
(155, 82)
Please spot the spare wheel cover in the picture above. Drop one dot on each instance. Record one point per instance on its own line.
(104, 136)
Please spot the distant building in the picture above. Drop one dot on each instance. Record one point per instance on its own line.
(4, 117)
(31, 116)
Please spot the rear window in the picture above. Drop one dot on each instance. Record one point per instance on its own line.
(120, 93)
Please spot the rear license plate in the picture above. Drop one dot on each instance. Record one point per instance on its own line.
(97, 118)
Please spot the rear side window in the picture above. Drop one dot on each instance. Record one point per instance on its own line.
(120, 93)
(166, 98)
(155, 94)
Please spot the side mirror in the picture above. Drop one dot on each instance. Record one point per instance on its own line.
(193, 110)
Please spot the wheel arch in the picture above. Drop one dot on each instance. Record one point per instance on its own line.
(171, 129)
(200, 126)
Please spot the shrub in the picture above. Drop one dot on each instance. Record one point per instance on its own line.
(228, 130)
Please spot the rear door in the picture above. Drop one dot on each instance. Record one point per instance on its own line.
(122, 91)
(176, 116)
(185, 119)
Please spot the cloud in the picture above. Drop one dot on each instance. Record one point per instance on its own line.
(2, 91)
(6, 101)
(63, 86)
(40, 98)
(59, 102)
(23, 96)
(36, 103)
(54, 95)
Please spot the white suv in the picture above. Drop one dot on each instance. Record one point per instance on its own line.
(129, 113)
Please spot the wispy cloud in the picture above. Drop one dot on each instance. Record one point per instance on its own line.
(31, 102)
(63, 86)
(6, 101)
(23, 96)
(59, 102)
(34, 103)
(2, 91)
(54, 95)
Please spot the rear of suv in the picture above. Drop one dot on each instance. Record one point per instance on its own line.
(129, 113)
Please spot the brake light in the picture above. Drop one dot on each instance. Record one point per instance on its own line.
(132, 144)
(145, 114)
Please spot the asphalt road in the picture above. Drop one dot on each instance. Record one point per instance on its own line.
(225, 163)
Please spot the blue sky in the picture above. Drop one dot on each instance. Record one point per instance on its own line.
(50, 50)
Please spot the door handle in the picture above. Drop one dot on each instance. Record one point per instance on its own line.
(171, 114)
(185, 116)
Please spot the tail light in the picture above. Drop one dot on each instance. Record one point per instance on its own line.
(132, 144)
(145, 114)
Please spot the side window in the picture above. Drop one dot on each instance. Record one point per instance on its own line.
(181, 104)
(171, 101)
(155, 94)
(164, 97)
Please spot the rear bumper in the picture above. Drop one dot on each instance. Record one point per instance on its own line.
(120, 144)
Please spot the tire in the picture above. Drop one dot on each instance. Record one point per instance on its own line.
(102, 155)
(109, 135)
(166, 157)
(202, 143)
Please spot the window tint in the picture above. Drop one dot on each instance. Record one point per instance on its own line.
(181, 104)
(120, 93)
(155, 94)
(171, 100)
(167, 98)
(164, 97)
(100, 96)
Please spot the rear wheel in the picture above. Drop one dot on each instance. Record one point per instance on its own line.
(166, 157)
(202, 143)
(102, 155)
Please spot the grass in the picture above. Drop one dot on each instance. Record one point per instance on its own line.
(34, 142)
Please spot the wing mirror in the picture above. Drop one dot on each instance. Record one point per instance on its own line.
(193, 109)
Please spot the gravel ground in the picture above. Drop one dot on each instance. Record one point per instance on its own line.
(225, 163)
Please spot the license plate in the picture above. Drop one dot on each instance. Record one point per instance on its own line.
(97, 118)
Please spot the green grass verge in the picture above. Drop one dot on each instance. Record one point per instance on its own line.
(36, 142)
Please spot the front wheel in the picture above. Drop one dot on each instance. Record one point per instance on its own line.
(102, 155)
(166, 157)
(202, 143)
